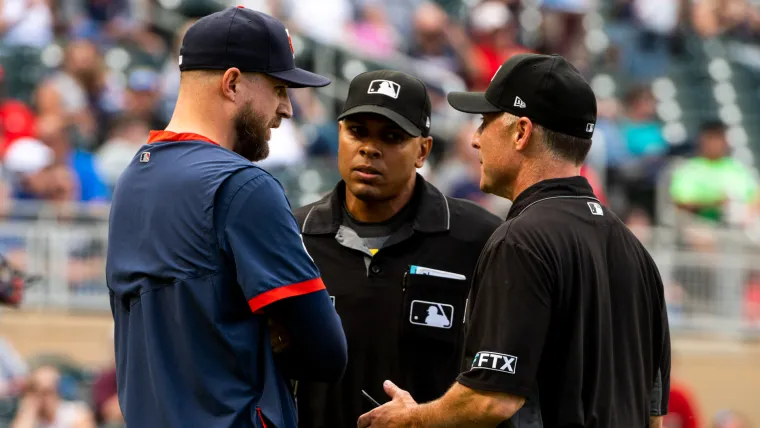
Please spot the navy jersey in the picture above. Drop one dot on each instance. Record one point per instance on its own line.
(200, 241)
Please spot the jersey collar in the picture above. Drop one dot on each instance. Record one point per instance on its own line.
(556, 187)
(169, 136)
(432, 211)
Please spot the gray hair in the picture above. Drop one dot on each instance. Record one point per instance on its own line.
(561, 146)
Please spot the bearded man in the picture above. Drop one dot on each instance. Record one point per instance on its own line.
(205, 255)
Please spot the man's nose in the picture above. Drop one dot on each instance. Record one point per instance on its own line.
(369, 150)
(285, 109)
(475, 143)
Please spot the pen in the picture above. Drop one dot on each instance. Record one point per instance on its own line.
(368, 397)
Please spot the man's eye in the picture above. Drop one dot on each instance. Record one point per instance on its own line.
(356, 130)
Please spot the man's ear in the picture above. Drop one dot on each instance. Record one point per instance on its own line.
(426, 145)
(524, 130)
(231, 82)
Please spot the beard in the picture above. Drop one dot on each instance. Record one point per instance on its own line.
(251, 133)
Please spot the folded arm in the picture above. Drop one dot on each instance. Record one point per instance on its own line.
(277, 276)
(316, 349)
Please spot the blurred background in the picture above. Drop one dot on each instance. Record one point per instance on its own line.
(674, 156)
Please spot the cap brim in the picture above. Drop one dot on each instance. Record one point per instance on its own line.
(298, 78)
(396, 118)
(471, 102)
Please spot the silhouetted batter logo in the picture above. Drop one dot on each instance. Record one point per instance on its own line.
(384, 87)
(431, 314)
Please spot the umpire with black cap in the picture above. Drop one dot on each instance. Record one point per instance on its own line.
(566, 319)
(396, 255)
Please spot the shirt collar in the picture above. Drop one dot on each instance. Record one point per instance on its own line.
(431, 215)
(555, 187)
(168, 136)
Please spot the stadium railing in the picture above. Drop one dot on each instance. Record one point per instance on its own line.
(712, 276)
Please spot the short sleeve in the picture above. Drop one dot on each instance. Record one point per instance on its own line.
(258, 232)
(509, 320)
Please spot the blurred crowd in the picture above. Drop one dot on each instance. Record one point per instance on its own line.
(109, 75)
(82, 122)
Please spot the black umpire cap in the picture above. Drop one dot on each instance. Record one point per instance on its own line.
(249, 40)
(544, 88)
(395, 95)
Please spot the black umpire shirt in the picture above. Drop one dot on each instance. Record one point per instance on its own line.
(567, 309)
(399, 325)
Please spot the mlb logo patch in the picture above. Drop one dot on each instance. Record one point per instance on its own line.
(144, 157)
(384, 87)
(431, 314)
(596, 209)
(332, 299)
(589, 127)
(495, 361)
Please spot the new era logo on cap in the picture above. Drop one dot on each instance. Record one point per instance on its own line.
(384, 87)
(519, 102)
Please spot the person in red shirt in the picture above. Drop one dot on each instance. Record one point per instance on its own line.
(682, 408)
(17, 120)
(495, 35)
(596, 183)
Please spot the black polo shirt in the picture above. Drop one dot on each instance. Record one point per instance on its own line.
(400, 326)
(567, 309)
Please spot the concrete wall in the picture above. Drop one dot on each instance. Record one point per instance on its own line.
(722, 374)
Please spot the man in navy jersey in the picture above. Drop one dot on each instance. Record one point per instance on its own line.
(205, 255)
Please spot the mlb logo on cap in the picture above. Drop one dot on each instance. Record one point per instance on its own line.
(144, 157)
(431, 314)
(385, 87)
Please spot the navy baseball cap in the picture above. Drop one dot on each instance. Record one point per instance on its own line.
(249, 40)
(544, 88)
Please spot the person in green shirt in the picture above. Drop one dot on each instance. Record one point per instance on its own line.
(712, 183)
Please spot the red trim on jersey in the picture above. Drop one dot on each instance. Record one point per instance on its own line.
(261, 417)
(164, 136)
(284, 292)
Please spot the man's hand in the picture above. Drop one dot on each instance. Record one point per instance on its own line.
(395, 413)
(278, 337)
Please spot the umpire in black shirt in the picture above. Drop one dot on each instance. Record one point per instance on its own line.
(374, 238)
(566, 319)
